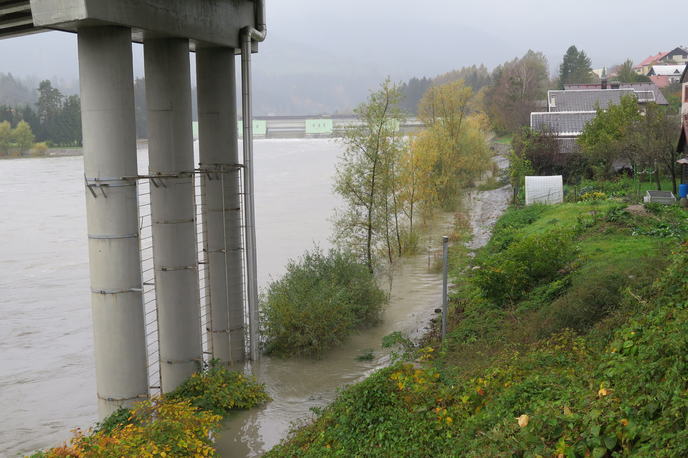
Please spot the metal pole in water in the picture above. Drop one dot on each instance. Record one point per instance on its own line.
(445, 241)
(247, 35)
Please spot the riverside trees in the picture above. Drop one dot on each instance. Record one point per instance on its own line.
(21, 137)
(56, 120)
(367, 177)
(384, 177)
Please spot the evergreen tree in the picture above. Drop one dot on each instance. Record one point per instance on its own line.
(576, 68)
(49, 107)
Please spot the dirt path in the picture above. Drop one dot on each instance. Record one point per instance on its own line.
(485, 207)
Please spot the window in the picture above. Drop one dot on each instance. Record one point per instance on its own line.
(685, 92)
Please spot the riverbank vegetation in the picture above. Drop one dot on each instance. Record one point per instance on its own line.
(55, 121)
(390, 182)
(177, 424)
(566, 339)
(318, 303)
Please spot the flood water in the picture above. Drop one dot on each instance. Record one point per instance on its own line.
(47, 369)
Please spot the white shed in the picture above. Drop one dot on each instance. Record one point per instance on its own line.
(549, 190)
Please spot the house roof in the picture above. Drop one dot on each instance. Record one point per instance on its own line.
(675, 51)
(660, 81)
(638, 87)
(584, 100)
(568, 145)
(667, 70)
(562, 124)
(651, 59)
(684, 76)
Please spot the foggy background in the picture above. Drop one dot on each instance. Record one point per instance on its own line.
(322, 57)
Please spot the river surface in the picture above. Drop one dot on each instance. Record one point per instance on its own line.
(47, 369)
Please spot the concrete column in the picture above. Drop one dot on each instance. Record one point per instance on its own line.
(219, 154)
(170, 149)
(107, 105)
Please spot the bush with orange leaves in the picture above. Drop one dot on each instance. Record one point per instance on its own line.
(156, 428)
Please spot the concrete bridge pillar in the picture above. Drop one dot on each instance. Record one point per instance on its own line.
(170, 149)
(219, 155)
(107, 104)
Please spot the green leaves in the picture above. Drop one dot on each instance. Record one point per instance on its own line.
(318, 303)
(509, 274)
(220, 391)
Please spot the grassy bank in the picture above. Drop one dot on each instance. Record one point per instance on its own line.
(566, 339)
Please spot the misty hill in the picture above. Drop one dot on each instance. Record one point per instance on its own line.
(22, 91)
(315, 72)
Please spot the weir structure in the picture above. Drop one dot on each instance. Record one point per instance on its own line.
(205, 299)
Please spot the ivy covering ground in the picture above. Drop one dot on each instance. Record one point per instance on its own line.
(587, 360)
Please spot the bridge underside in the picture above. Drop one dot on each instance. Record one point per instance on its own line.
(202, 22)
(169, 29)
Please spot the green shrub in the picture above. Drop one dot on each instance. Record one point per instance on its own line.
(117, 419)
(39, 149)
(507, 227)
(220, 391)
(590, 298)
(527, 262)
(318, 303)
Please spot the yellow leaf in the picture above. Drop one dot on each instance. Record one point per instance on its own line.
(567, 411)
(624, 422)
(523, 420)
(603, 392)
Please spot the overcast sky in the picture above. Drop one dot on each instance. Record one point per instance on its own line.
(404, 38)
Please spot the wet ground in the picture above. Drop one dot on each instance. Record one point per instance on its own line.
(486, 207)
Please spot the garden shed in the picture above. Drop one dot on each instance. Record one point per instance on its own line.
(549, 190)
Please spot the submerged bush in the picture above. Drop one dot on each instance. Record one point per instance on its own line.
(318, 303)
(219, 391)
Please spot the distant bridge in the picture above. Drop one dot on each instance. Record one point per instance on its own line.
(307, 126)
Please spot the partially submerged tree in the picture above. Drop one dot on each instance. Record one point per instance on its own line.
(365, 177)
(454, 140)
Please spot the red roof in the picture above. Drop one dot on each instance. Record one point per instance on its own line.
(660, 81)
(651, 59)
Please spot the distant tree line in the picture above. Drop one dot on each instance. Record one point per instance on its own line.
(474, 77)
(55, 121)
